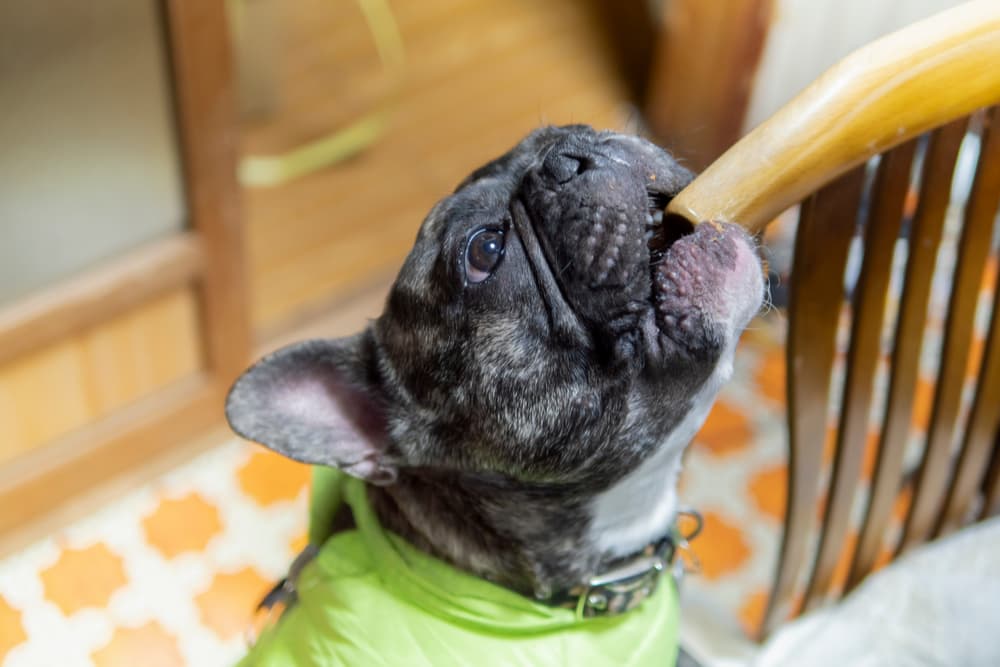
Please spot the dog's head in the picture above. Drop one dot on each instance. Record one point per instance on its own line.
(546, 328)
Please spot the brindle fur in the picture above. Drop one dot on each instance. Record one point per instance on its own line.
(488, 416)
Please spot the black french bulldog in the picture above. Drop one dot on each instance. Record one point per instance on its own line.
(546, 353)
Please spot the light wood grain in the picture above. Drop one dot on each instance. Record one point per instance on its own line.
(876, 98)
(702, 74)
(83, 378)
(44, 479)
(198, 42)
(480, 74)
(99, 295)
(123, 363)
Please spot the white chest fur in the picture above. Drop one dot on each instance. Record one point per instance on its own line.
(641, 506)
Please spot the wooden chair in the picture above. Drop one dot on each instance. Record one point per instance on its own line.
(915, 92)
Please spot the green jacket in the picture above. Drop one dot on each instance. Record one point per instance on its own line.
(369, 598)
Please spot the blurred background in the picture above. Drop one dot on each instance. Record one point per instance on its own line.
(186, 184)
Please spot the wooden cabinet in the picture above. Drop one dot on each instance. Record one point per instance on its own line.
(122, 293)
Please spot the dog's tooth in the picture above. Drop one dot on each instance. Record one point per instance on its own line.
(649, 219)
(658, 217)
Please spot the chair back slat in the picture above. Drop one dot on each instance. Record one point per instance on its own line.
(928, 475)
(973, 252)
(981, 434)
(991, 485)
(821, 251)
(864, 352)
(925, 236)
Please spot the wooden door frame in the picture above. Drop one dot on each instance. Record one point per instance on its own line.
(702, 75)
(207, 257)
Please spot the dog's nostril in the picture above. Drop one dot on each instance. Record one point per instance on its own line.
(563, 167)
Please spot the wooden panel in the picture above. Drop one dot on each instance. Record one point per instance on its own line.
(864, 352)
(973, 251)
(702, 73)
(98, 295)
(816, 296)
(928, 224)
(198, 41)
(131, 381)
(74, 382)
(466, 97)
(46, 397)
(141, 352)
(42, 480)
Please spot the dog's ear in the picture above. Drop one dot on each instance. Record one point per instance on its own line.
(316, 403)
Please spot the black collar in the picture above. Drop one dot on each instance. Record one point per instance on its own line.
(628, 580)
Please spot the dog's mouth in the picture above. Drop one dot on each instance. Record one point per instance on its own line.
(704, 279)
(597, 202)
(662, 230)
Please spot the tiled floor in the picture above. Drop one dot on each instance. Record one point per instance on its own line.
(168, 575)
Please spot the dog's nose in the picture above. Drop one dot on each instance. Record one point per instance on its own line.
(563, 166)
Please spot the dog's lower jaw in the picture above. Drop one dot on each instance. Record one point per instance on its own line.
(640, 508)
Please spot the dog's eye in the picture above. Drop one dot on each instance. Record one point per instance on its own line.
(483, 254)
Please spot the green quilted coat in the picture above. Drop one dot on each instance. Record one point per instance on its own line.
(369, 598)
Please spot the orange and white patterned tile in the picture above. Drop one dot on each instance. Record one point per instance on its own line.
(168, 575)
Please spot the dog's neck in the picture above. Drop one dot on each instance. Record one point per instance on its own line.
(539, 539)
(533, 539)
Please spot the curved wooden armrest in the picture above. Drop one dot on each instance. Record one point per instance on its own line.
(891, 90)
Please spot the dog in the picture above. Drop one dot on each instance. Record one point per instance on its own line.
(519, 411)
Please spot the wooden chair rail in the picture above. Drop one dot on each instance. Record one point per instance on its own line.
(99, 295)
(41, 480)
(839, 121)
